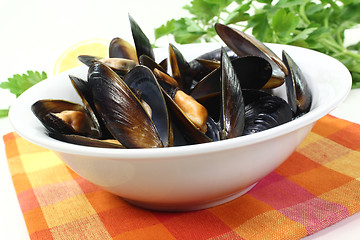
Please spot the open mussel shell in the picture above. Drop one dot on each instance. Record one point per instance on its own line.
(121, 111)
(119, 65)
(151, 64)
(164, 64)
(186, 127)
(200, 68)
(84, 93)
(82, 88)
(158, 70)
(142, 43)
(142, 81)
(231, 107)
(120, 48)
(298, 92)
(88, 59)
(64, 117)
(86, 141)
(243, 44)
(180, 67)
(232, 118)
(266, 112)
(253, 72)
(207, 62)
(210, 65)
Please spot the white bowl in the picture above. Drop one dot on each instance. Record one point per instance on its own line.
(187, 177)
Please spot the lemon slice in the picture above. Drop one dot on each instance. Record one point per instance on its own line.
(68, 60)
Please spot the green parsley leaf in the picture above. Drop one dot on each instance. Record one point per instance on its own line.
(261, 27)
(4, 113)
(239, 14)
(289, 3)
(284, 22)
(318, 25)
(20, 83)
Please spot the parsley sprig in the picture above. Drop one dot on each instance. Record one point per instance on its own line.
(318, 25)
(20, 83)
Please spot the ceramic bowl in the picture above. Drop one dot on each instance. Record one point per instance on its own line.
(187, 177)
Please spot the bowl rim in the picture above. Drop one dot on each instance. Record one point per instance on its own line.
(63, 147)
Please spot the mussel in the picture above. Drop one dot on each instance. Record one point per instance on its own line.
(266, 112)
(243, 45)
(122, 111)
(66, 117)
(137, 103)
(120, 65)
(297, 89)
(120, 48)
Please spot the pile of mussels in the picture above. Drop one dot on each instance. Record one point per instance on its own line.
(131, 101)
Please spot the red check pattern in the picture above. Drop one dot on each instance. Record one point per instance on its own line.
(317, 186)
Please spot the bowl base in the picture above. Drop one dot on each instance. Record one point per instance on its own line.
(184, 207)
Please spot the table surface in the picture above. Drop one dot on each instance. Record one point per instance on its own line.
(35, 33)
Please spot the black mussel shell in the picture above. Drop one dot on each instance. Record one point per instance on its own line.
(164, 64)
(142, 43)
(88, 59)
(46, 111)
(298, 92)
(243, 45)
(120, 48)
(180, 67)
(82, 88)
(232, 118)
(119, 65)
(142, 80)
(251, 95)
(86, 141)
(121, 110)
(190, 133)
(207, 62)
(151, 64)
(265, 113)
(252, 72)
(216, 54)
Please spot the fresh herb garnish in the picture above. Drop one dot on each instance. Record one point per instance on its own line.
(4, 112)
(20, 83)
(318, 25)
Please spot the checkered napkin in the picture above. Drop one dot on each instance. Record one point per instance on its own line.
(316, 187)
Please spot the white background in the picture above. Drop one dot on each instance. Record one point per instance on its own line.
(35, 33)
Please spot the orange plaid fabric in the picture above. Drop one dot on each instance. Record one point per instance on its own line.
(317, 186)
